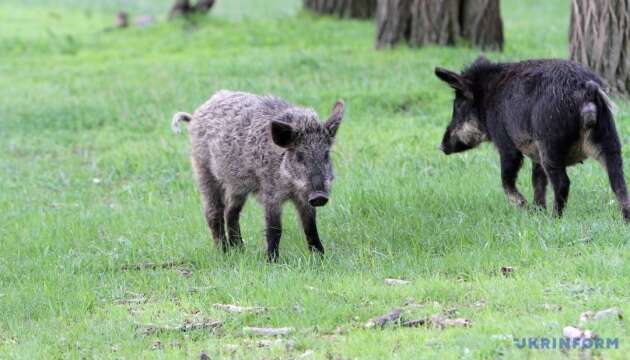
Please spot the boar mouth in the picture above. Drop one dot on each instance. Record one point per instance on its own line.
(444, 150)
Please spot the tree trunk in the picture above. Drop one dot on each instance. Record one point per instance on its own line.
(343, 8)
(434, 22)
(184, 8)
(600, 39)
(180, 7)
(442, 22)
(393, 22)
(481, 23)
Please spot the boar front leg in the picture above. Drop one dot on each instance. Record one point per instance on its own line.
(309, 224)
(539, 181)
(511, 162)
(273, 231)
(233, 209)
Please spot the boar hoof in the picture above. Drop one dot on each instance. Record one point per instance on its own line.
(317, 249)
(517, 199)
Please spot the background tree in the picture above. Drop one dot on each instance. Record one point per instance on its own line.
(343, 8)
(442, 22)
(481, 23)
(184, 8)
(600, 39)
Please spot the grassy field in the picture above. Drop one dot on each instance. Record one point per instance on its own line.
(94, 188)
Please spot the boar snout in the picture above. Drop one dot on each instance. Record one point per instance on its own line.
(318, 199)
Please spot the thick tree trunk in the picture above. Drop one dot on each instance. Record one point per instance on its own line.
(434, 22)
(481, 23)
(393, 22)
(442, 22)
(184, 8)
(343, 8)
(600, 39)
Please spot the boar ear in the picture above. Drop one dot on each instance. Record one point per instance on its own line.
(333, 122)
(455, 80)
(282, 134)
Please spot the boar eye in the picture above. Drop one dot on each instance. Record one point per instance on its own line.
(299, 156)
(326, 156)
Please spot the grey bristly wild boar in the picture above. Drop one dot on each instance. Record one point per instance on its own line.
(553, 111)
(244, 143)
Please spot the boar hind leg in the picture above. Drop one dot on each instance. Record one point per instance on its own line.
(235, 203)
(212, 196)
(557, 173)
(612, 161)
(539, 181)
(511, 162)
(614, 167)
(308, 218)
(606, 148)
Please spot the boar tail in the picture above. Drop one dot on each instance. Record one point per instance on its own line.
(177, 118)
(597, 102)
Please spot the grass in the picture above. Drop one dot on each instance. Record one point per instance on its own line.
(93, 181)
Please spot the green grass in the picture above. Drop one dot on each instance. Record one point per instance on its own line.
(92, 180)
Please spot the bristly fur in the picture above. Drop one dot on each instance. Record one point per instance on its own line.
(244, 143)
(554, 111)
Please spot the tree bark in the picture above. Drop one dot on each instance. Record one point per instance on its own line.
(600, 39)
(343, 8)
(481, 23)
(434, 22)
(393, 22)
(442, 22)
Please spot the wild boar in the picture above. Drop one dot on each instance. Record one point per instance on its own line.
(244, 143)
(554, 111)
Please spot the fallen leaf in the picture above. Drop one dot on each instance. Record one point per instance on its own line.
(507, 271)
(551, 307)
(185, 272)
(188, 325)
(396, 282)
(152, 266)
(608, 313)
(267, 331)
(306, 354)
(381, 321)
(443, 322)
(414, 323)
(240, 309)
(157, 345)
(132, 301)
